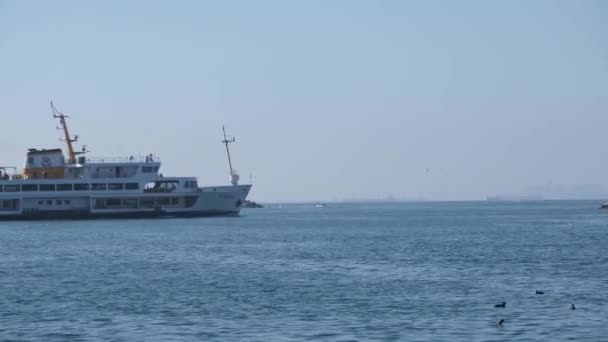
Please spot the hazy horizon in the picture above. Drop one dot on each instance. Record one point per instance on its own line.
(328, 100)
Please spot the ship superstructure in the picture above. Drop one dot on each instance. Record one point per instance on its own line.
(52, 185)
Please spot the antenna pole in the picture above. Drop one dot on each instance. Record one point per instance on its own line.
(226, 141)
(234, 178)
(68, 139)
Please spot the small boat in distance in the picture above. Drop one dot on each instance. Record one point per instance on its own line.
(604, 205)
(51, 186)
(319, 205)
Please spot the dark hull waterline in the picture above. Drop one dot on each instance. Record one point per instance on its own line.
(86, 215)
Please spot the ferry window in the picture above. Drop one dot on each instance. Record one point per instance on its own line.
(174, 201)
(47, 187)
(12, 188)
(186, 184)
(194, 184)
(81, 187)
(9, 204)
(98, 186)
(164, 201)
(113, 202)
(190, 201)
(132, 186)
(129, 203)
(30, 187)
(115, 186)
(64, 187)
(30, 160)
(58, 202)
(66, 202)
(147, 169)
(146, 202)
(156, 168)
(1, 188)
(49, 202)
(100, 203)
(40, 202)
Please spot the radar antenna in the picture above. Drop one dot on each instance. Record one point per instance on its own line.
(83, 151)
(67, 138)
(234, 177)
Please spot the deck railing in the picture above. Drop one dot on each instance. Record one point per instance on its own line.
(131, 159)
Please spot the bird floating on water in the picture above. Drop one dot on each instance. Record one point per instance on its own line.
(503, 305)
(539, 292)
(501, 322)
(573, 307)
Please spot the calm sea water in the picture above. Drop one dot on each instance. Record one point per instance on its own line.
(412, 272)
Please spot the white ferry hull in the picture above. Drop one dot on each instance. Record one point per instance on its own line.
(208, 201)
(51, 186)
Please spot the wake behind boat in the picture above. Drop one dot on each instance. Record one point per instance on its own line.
(50, 187)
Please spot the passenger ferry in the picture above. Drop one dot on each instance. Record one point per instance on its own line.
(51, 187)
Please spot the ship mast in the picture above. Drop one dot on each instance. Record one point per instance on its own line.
(234, 177)
(68, 140)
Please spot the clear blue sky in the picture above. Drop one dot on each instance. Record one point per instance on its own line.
(328, 99)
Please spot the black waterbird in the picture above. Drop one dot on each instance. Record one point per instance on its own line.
(503, 305)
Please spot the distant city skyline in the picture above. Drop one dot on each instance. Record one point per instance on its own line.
(327, 100)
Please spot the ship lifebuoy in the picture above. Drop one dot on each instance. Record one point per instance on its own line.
(46, 162)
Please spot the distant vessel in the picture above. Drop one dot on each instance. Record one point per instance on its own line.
(50, 186)
(605, 205)
(513, 198)
(319, 205)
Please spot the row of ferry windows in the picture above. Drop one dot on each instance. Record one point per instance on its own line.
(9, 204)
(149, 169)
(57, 202)
(190, 184)
(69, 187)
